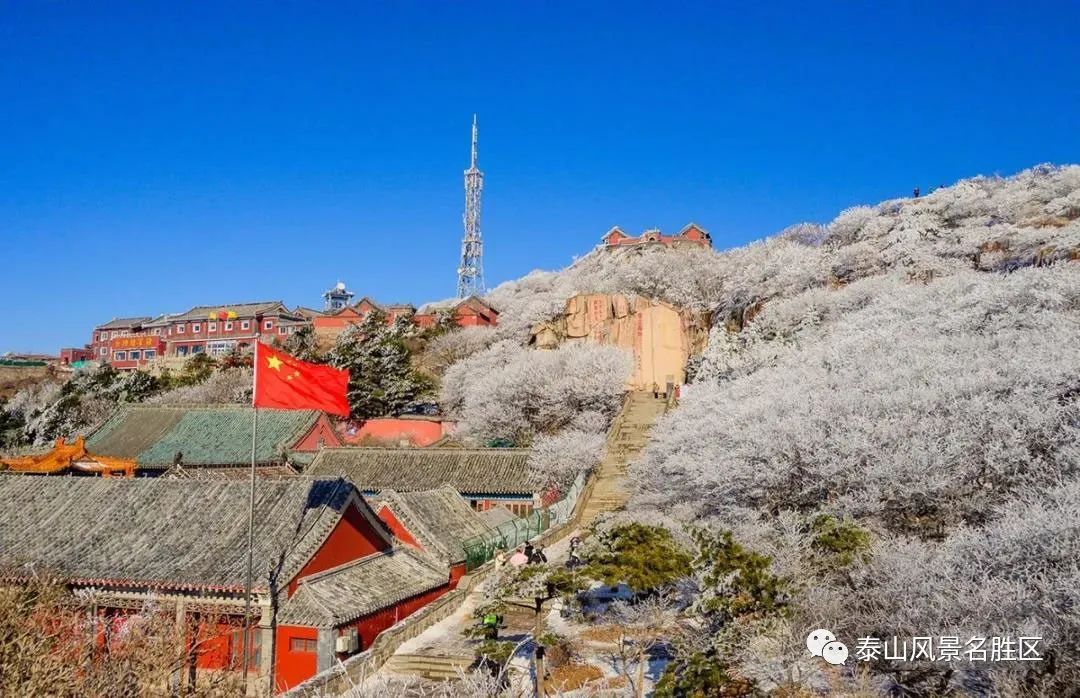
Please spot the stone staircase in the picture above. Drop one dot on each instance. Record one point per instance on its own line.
(627, 437)
(436, 667)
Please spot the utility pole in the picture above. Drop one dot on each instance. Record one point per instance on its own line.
(471, 268)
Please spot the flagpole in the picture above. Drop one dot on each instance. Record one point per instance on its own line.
(251, 515)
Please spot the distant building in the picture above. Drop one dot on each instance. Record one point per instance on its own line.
(691, 235)
(466, 312)
(221, 329)
(217, 330)
(337, 298)
(73, 355)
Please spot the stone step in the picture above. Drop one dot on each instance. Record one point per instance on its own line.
(430, 666)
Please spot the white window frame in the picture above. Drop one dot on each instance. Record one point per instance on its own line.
(134, 355)
(228, 325)
(245, 324)
(157, 330)
(180, 329)
(104, 351)
(149, 354)
(196, 328)
(211, 327)
(283, 330)
(120, 355)
(268, 325)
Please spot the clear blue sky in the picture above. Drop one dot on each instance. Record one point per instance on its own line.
(154, 156)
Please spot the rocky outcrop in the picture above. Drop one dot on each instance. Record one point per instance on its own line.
(661, 336)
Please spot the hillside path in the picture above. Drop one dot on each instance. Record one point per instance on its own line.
(444, 649)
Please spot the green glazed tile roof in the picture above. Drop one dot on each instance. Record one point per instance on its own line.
(219, 435)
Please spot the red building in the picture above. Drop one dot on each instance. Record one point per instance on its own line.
(403, 430)
(329, 576)
(436, 521)
(101, 341)
(71, 355)
(466, 312)
(691, 235)
(221, 329)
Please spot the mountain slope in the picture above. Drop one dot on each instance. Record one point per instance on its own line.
(908, 374)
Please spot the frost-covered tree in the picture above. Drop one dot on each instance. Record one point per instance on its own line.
(511, 392)
(889, 411)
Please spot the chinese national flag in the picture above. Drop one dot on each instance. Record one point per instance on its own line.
(287, 383)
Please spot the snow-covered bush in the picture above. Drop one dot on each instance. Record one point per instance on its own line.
(446, 349)
(914, 378)
(512, 392)
(223, 387)
(562, 456)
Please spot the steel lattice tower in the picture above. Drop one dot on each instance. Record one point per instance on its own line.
(471, 269)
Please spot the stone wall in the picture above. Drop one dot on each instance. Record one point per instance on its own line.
(661, 336)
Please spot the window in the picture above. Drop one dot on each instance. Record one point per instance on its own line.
(115, 333)
(282, 330)
(211, 327)
(181, 351)
(228, 326)
(197, 349)
(104, 351)
(134, 355)
(303, 644)
(157, 330)
(179, 329)
(196, 327)
(150, 354)
(220, 348)
(245, 324)
(236, 646)
(268, 325)
(120, 355)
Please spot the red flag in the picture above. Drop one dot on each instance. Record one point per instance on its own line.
(287, 383)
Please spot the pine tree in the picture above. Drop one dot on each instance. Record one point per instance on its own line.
(382, 379)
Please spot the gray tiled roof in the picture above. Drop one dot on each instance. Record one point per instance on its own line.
(343, 594)
(439, 519)
(173, 533)
(124, 322)
(467, 470)
(496, 516)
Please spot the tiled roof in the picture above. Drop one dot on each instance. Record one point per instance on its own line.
(451, 304)
(471, 470)
(175, 533)
(132, 430)
(307, 312)
(496, 516)
(124, 322)
(356, 589)
(200, 312)
(439, 519)
(219, 435)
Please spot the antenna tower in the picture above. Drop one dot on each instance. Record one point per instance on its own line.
(471, 270)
